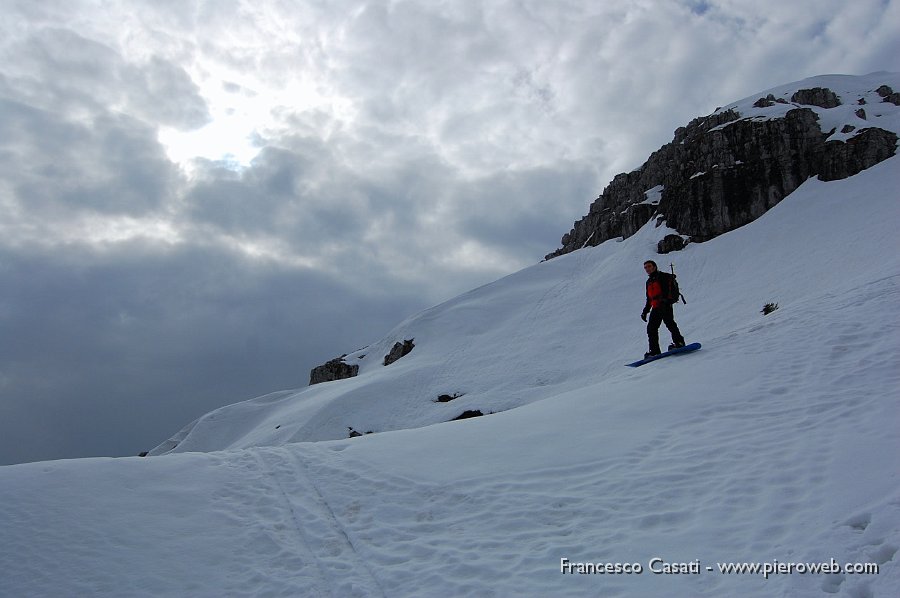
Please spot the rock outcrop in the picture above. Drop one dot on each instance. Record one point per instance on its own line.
(732, 175)
(889, 95)
(336, 369)
(398, 351)
(844, 159)
(725, 170)
(817, 96)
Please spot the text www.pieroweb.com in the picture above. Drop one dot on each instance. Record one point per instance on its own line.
(661, 566)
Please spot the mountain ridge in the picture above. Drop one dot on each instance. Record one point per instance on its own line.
(726, 169)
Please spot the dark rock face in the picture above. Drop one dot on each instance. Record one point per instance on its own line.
(399, 350)
(866, 149)
(670, 243)
(722, 171)
(769, 100)
(336, 369)
(817, 96)
(445, 398)
(623, 208)
(889, 95)
(743, 170)
(469, 413)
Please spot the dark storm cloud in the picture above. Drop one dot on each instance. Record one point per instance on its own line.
(407, 213)
(67, 73)
(54, 167)
(524, 211)
(104, 353)
(78, 131)
(294, 195)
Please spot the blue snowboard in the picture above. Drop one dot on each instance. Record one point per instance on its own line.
(685, 349)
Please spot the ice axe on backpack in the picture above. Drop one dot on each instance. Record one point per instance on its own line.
(675, 281)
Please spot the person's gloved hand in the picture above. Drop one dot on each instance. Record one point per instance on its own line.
(644, 315)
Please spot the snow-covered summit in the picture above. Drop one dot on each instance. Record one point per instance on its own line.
(861, 104)
(724, 170)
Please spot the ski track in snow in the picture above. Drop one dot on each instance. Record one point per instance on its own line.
(322, 539)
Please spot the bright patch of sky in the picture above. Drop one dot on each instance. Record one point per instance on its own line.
(242, 114)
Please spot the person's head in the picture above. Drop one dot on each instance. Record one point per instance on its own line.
(649, 266)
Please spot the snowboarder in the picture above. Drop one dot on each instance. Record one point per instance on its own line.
(662, 294)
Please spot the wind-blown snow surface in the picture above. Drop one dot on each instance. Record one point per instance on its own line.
(777, 441)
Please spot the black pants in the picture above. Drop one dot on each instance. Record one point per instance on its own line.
(658, 315)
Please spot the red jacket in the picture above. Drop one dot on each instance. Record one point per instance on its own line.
(660, 290)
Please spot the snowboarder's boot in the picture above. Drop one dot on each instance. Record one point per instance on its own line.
(650, 354)
(675, 346)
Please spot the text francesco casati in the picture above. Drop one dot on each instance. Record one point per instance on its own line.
(661, 566)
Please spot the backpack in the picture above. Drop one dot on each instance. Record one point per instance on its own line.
(673, 293)
(671, 290)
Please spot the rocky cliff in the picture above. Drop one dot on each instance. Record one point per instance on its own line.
(335, 369)
(726, 169)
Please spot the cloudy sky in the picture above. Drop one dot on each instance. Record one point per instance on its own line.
(200, 200)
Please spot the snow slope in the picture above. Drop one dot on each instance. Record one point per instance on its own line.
(777, 441)
(556, 326)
